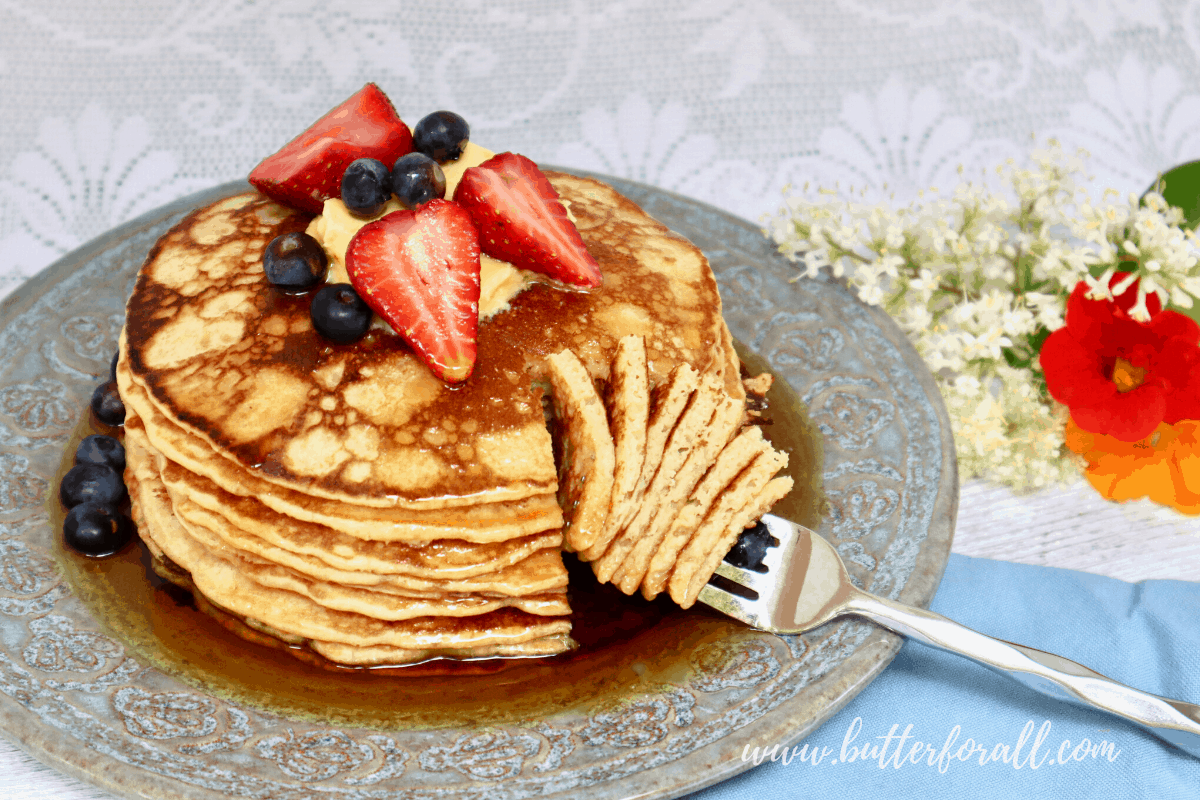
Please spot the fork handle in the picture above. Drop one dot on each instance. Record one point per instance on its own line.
(1174, 721)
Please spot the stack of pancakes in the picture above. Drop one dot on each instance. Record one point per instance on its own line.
(660, 483)
(341, 499)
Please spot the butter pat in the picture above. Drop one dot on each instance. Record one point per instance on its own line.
(499, 281)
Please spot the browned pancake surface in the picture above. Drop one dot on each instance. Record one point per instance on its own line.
(239, 363)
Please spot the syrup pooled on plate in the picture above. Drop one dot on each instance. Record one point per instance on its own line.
(626, 644)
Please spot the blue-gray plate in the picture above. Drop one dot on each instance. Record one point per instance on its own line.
(86, 702)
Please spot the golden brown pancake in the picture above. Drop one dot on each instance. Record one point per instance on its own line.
(380, 655)
(726, 420)
(587, 454)
(686, 576)
(732, 460)
(238, 364)
(538, 572)
(706, 484)
(668, 401)
(484, 522)
(440, 558)
(342, 498)
(722, 538)
(683, 439)
(628, 402)
(224, 583)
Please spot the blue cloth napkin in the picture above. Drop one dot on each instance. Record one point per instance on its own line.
(1146, 635)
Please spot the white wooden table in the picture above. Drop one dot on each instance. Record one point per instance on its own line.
(1076, 528)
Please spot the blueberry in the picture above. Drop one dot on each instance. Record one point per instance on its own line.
(750, 548)
(99, 449)
(295, 262)
(417, 178)
(441, 135)
(112, 371)
(339, 314)
(96, 530)
(366, 186)
(107, 405)
(91, 483)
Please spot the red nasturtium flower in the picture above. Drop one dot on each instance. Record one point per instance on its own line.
(1122, 377)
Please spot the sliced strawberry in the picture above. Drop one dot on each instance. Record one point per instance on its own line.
(308, 170)
(522, 221)
(418, 269)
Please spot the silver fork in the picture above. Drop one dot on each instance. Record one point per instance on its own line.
(806, 585)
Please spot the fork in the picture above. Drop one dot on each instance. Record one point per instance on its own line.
(805, 585)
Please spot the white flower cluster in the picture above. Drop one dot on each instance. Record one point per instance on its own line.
(979, 279)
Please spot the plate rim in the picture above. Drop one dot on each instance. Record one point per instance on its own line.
(875, 652)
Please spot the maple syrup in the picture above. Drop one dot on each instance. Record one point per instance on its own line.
(627, 644)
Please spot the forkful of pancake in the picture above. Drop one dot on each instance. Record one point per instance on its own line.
(656, 484)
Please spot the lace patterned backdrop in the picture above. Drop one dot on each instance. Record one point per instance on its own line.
(111, 109)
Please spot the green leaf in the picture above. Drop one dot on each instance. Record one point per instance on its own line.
(1180, 186)
(1015, 360)
(1038, 338)
(1024, 352)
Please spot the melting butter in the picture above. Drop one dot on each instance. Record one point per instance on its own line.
(499, 281)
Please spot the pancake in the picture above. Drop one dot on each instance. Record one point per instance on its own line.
(719, 522)
(539, 571)
(683, 439)
(628, 403)
(726, 419)
(668, 401)
(707, 481)
(748, 445)
(237, 364)
(712, 545)
(484, 522)
(381, 655)
(296, 618)
(444, 558)
(343, 503)
(587, 455)
(377, 602)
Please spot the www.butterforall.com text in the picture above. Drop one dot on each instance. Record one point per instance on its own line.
(898, 749)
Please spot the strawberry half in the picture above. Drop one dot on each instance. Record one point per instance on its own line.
(308, 170)
(522, 221)
(418, 269)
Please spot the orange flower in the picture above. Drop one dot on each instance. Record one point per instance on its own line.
(1165, 466)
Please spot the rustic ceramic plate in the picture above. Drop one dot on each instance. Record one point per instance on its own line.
(85, 702)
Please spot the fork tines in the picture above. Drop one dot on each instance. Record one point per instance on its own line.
(754, 610)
